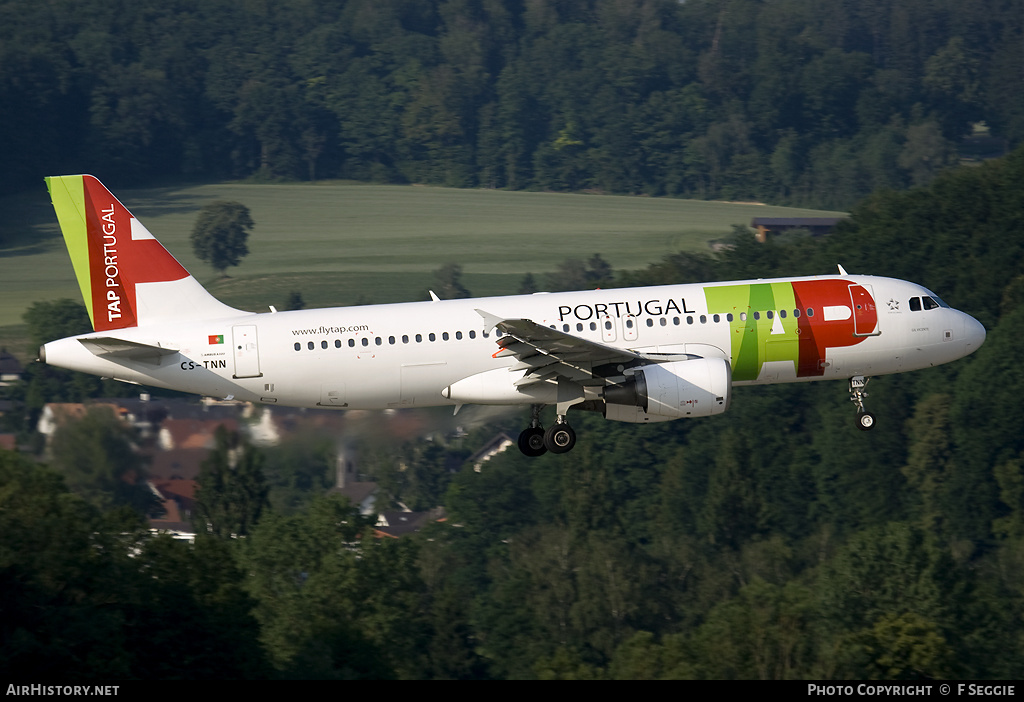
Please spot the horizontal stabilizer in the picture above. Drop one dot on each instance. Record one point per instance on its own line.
(113, 348)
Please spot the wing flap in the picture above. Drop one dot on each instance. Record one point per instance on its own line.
(547, 354)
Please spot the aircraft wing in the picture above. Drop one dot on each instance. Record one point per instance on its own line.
(546, 353)
(113, 348)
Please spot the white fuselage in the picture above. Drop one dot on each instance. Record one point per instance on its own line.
(406, 355)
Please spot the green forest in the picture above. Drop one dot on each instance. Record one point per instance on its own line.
(776, 541)
(805, 102)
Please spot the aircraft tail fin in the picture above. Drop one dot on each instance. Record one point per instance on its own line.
(127, 277)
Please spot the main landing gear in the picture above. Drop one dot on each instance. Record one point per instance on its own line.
(865, 420)
(535, 441)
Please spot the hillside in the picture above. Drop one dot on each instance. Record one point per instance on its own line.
(339, 244)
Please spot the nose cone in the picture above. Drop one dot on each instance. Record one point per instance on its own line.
(974, 333)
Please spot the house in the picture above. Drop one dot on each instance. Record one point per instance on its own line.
(276, 424)
(492, 448)
(10, 368)
(395, 524)
(818, 226)
(177, 464)
(178, 498)
(55, 414)
(192, 433)
(362, 495)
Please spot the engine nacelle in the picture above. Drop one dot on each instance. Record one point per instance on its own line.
(699, 387)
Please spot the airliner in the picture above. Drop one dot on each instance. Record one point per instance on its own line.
(640, 355)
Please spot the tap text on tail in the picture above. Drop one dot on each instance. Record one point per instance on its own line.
(649, 354)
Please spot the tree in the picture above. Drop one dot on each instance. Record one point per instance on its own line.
(232, 491)
(59, 581)
(220, 233)
(97, 457)
(448, 279)
(56, 319)
(528, 285)
(575, 274)
(294, 301)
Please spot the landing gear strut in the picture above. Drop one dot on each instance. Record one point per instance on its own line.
(531, 439)
(865, 420)
(560, 438)
(534, 441)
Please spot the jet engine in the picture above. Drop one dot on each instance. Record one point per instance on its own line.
(698, 387)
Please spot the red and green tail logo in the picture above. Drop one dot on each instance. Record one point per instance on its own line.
(111, 251)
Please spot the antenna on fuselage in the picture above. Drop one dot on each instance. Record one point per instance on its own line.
(842, 271)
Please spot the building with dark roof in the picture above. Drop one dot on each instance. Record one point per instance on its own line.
(10, 368)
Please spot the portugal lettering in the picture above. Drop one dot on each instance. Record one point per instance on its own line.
(110, 270)
(600, 310)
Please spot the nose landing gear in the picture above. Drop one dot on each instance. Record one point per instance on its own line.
(865, 420)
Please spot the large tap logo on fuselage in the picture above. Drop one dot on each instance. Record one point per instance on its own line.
(793, 322)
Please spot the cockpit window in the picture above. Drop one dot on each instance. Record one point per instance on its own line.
(934, 298)
(927, 302)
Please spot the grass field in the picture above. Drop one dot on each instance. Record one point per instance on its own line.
(339, 244)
